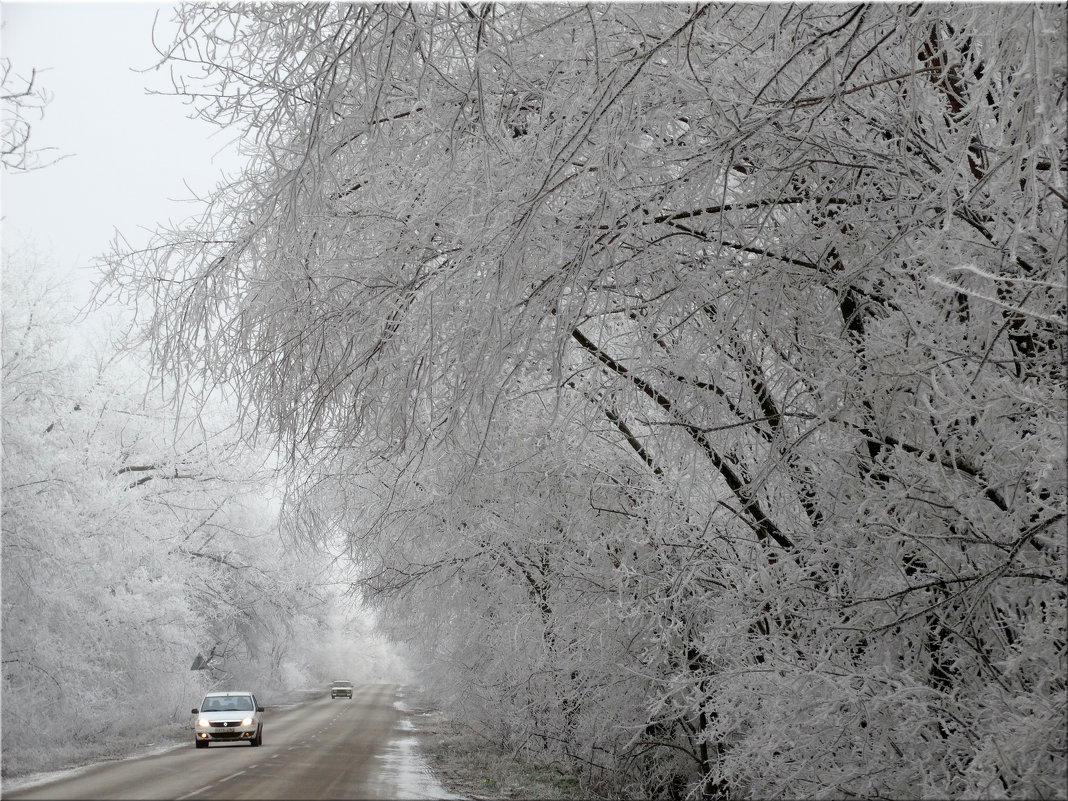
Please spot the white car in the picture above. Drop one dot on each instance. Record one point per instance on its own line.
(226, 717)
(340, 688)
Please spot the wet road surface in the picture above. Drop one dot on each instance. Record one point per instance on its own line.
(324, 749)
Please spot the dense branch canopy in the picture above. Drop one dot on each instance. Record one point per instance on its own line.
(764, 304)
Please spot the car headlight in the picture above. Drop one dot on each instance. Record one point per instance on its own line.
(203, 722)
(246, 722)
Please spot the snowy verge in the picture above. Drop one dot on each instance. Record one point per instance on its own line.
(469, 766)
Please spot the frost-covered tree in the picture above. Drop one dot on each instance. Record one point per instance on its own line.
(714, 355)
(131, 543)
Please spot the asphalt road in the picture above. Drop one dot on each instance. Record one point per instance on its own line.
(344, 749)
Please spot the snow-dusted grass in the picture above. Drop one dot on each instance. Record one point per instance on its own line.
(63, 759)
(469, 765)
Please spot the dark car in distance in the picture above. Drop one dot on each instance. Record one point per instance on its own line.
(340, 688)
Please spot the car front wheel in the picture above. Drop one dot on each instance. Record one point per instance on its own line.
(258, 739)
(200, 743)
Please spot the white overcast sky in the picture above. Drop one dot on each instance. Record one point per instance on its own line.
(130, 154)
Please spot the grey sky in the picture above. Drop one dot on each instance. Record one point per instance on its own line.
(131, 154)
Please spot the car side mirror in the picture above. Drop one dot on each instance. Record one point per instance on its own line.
(259, 709)
(196, 711)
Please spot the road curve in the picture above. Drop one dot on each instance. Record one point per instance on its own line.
(324, 749)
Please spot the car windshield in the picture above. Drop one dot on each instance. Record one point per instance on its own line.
(227, 703)
(342, 683)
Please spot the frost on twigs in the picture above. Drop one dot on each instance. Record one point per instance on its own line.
(24, 99)
(628, 349)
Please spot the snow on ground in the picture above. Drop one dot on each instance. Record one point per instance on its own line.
(412, 776)
(467, 765)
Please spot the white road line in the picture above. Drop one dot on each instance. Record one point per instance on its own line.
(195, 792)
(207, 787)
